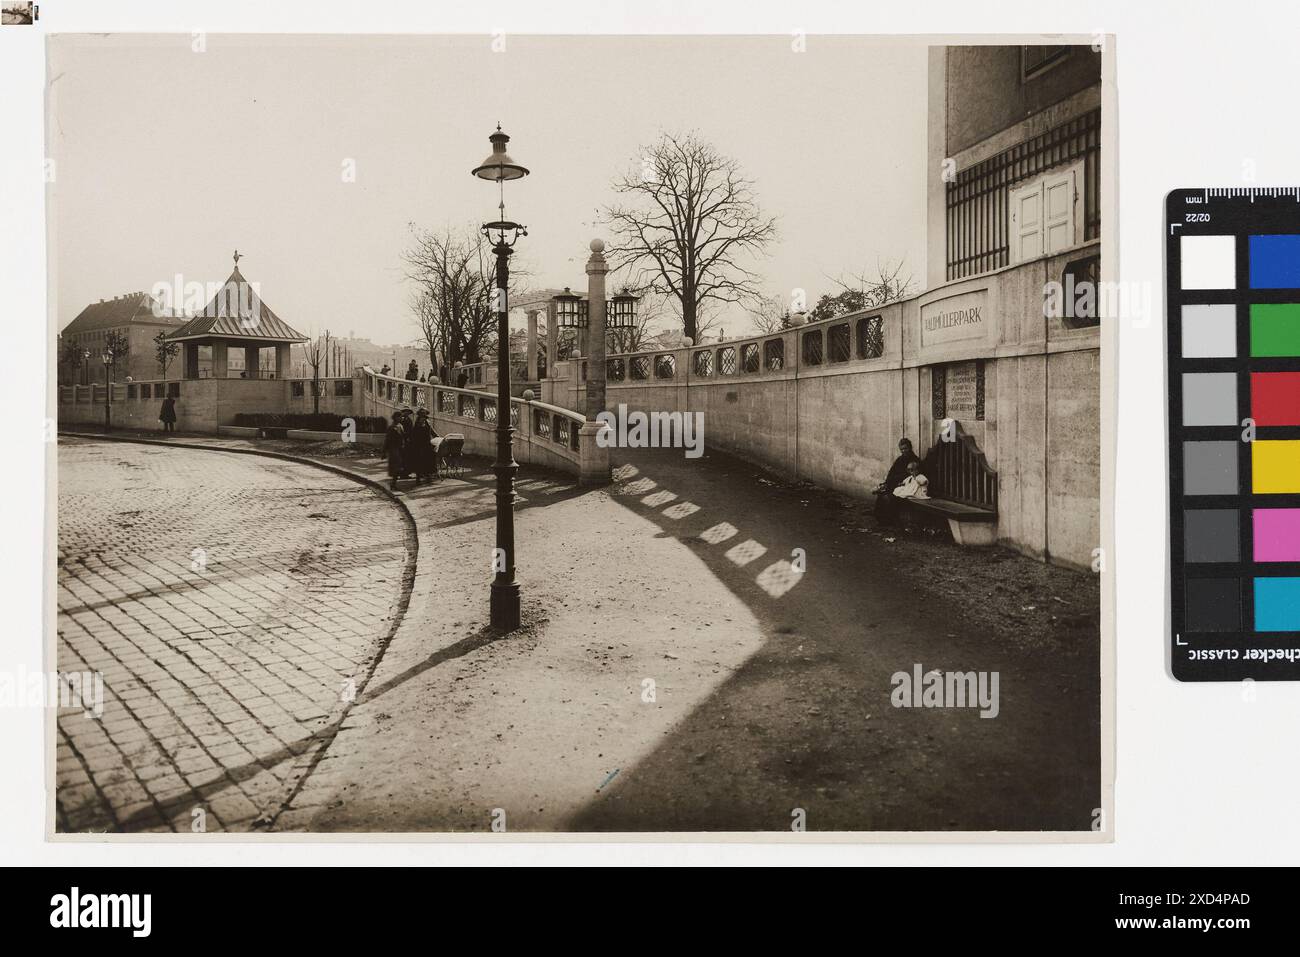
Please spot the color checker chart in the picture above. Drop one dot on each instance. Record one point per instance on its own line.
(1233, 335)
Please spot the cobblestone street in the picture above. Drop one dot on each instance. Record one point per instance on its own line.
(232, 602)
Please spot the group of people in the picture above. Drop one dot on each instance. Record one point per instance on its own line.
(413, 374)
(904, 480)
(411, 445)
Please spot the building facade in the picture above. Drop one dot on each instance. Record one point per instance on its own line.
(135, 317)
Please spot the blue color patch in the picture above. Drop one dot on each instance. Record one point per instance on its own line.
(1275, 262)
(1277, 604)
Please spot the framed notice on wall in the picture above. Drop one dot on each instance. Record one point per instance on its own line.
(958, 391)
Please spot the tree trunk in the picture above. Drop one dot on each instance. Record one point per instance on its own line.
(688, 317)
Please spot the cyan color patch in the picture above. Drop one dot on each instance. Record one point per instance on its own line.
(1277, 604)
(1275, 262)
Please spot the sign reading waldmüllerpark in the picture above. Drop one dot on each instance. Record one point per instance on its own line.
(955, 318)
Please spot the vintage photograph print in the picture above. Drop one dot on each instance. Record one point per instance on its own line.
(694, 435)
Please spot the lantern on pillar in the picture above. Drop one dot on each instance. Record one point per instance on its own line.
(570, 310)
(622, 311)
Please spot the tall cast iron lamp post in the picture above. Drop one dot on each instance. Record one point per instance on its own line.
(503, 234)
(108, 390)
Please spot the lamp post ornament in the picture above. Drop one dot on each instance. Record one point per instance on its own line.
(503, 234)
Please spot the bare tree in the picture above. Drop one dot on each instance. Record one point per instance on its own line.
(455, 277)
(689, 221)
(887, 283)
(165, 350)
(770, 314)
(316, 352)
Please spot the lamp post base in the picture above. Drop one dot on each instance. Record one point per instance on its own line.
(505, 606)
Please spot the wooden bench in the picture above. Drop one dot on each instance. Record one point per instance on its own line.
(963, 491)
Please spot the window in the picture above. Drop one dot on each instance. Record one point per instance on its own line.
(146, 391)
(774, 354)
(640, 367)
(703, 361)
(749, 357)
(978, 235)
(174, 390)
(727, 361)
(344, 387)
(297, 389)
(1037, 60)
(130, 390)
(839, 341)
(614, 371)
(871, 337)
(1042, 217)
(665, 366)
(812, 348)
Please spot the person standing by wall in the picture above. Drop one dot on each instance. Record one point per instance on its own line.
(167, 415)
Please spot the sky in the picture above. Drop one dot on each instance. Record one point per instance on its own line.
(168, 158)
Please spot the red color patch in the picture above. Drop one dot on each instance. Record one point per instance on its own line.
(1275, 398)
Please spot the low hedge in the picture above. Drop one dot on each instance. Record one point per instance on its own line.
(309, 421)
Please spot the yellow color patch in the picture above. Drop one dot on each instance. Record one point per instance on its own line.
(1275, 467)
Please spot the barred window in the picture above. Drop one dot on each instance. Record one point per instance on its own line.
(130, 390)
(614, 370)
(749, 357)
(665, 366)
(704, 363)
(871, 337)
(812, 348)
(174, 390)
(727, 361)
(344, 387)
(774, 354)
(839, 342)
(146, 391)
(640, 367)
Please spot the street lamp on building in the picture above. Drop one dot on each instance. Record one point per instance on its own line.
(108, 389)
(503, 234)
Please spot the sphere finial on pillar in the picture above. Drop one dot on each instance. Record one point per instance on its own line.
(597, 246)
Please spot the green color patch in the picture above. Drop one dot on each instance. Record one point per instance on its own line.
(1275, 329)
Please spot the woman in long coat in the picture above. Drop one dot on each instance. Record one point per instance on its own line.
(423, 455)
(168, 414)
(394, 447)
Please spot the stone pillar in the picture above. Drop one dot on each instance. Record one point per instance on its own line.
(596, 270)
(283, 361)
(251, 354)
(190, 352)
(530, 343)
(220, 362)
(552, 339)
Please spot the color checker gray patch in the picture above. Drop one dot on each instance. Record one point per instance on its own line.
(1211, 535)
(1209, 398)
(1210, 332)
(1210, 468)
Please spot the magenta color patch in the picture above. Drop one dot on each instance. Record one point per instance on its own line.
(1277, 534)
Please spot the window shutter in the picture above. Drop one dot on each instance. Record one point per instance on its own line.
(1026, 222)
(1058, 212)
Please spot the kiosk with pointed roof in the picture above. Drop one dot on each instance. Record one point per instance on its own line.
(236, 316)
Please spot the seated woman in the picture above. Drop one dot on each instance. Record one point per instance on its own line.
(886, 506)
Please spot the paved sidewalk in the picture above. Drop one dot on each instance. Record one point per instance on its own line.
(230, 602)
(675, 672)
